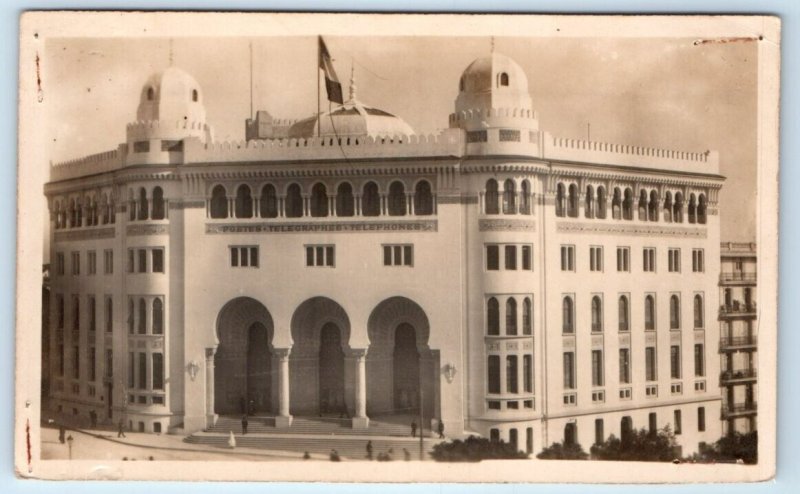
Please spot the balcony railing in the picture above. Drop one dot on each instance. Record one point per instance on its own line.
(737, 341)
(738, 277)
(739, 409)
(737, 308)
(735, 375)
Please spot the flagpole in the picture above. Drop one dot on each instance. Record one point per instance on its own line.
(318, 103)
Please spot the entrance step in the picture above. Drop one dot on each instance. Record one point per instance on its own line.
(388, 427)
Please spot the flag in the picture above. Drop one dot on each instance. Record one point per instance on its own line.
(332, 84)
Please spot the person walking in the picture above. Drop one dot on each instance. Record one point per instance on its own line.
(244, 424)
(413, 429)
(441, 429)
(93, 419)
(62, 434)
(335, 455)
(121, 429)
(369, 450)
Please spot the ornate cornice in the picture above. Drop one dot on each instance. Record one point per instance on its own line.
(325, 227)
(506, 225)
(633, 230)
(93, 234)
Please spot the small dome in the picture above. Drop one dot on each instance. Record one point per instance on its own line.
(493, 81)
(171, 96)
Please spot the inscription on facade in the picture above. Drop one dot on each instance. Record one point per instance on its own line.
(133, 230)
(337, 227)
(506, 225)
(84, 234)
(634, 230)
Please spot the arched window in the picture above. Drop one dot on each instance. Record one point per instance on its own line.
(219, 202)
(643, 205)
(158, 204)
(652, 208)
(668, 207)
(561, 200)
(142, 316)
(588, 210)
(597, 314)
(345, 205)
(525, 197)
(677, 208)
(692, 208)
(602, 202)
(699, 318)
(370, 200)
(130, 316)
(492, 317)
(616, 204)
(319, 200)
(567, 315)
(649, 312)
(624, 324)
(397, 199)
(294, 202)
(423, 198)
(511, 316)
(243, 205)
(194, 95)
(151, 94)
(491, 197)
(158, 316)
(143, 207)
(573, 201)
(627, 204)
(509, 197)
(701, 209)
(503, 79)
(527, 317)
(674, 312)
(269, 202)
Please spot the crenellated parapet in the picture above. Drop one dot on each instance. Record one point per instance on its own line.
(160, 129)
(89, 165)
(481, 118)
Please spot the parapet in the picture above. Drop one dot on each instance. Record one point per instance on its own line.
(89, 165)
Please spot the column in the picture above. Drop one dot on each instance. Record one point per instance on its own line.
(284, 418)
(410, 203)
(360, 419)
(332, 206)
(281, 202)
(257, 207)
(211, 417)
(357, 199)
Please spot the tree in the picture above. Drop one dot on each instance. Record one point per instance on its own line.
(558, 451)
(638, 445)
(476, 449)
(734, 447)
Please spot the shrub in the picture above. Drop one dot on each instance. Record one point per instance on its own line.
(475, 449)
(638, 445)
(558, 451)
(734, 447)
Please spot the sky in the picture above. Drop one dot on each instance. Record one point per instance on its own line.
(652, 92)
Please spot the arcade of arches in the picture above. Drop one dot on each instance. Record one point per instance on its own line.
(321, 375)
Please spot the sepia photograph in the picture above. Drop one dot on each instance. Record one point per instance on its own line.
(397, 248)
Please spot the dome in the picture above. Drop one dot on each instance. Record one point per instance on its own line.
(493, 81)
(171, 96)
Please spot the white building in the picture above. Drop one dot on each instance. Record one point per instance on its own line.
(541, 289)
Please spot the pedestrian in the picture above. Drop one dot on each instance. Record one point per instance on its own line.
(441, 429)
(406, 455)
(335, 455)
(93, 419)
(62, 434)
(121, 429)
(369, 450)
(244, 424)
(413, 429)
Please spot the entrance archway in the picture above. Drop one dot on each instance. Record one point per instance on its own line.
(244, 372)
(405, 369)
(331, 370)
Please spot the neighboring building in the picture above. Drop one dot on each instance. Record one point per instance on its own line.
(538, 289)
(738, 342)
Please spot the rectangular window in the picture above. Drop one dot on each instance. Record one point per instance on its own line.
(398, 255)
(650, 363)
(595, 258)
(320, 255)
(131, 267)
(492, 257)
(511, 374)
(569, 370)
(244, 256)
(597, 368)
(701, 419)
(526, 257)
(92, 313)
(109, 363)
(158, 370)
(699, 360)
(92, 363)
(509, 135)
(567, 258)
(141, 146)
(76, 362)
(698, 261)
(76, 314)
(527, 373)
(61, 357)
(142, 254)
(649, 260)
(108, 261)
(91, 262)
(599, 435)
(674, 260)
(494, 374)
(60, 263)
(623, 259)
(76, 263)
(142, 370)
(678, 422)
(624, 365)
(172, 146)
(157, 256)
(131, 370)
(476, 136)
(60, 311)
(675, 362)
(652, 422)
(511, 257)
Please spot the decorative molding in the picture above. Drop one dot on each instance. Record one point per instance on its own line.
(625, 340)
(506, 224)
(699, 336)
(93, 234)
(527, 345)
(597, 341)
(650, 337)
(133, 230)
(569, 342)
(326, 227)
(456, 199)
(635, 230)
(511, 345)
(493, 346)
(674, 337)
(187, 204)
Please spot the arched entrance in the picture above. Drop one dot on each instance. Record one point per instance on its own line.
(244, 371)
(400, 362)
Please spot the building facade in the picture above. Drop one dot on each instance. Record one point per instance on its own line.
(507, 282)
(738, 344)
